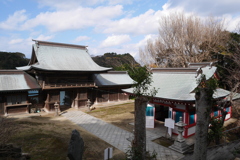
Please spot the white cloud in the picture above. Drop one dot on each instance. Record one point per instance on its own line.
(231, 22)
(74, 19)
(131, 48)
(226, 10)
(115, 40)
(81, 38)
(70, 4)
(14, 44)
(15, 41)
(14, 20)
(44, 38)
(143, 24)
(206, 7)
(101, 18)
(114, 2)
(141, 44)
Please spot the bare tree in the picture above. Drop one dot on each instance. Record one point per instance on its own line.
(232, 66)
(184, 38)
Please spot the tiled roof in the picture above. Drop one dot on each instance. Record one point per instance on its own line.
(61, 57)
(113, 78)
(14, 80)
(179, 83)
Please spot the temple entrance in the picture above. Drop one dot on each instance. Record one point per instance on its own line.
(65, 99)
(161, 112)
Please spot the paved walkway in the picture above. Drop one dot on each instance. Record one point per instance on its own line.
(116, 136)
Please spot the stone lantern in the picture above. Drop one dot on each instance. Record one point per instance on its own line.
(56, 106)
(180, 125)
(88, 104)
(180, 144)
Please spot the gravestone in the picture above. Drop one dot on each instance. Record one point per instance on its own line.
(76, 146)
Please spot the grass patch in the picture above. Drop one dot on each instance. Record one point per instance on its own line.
(118, 115)
(112, 110)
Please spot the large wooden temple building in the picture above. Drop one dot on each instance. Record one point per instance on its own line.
(62, 73)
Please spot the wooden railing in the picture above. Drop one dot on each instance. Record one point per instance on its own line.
(67, 85)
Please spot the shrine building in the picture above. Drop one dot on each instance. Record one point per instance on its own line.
(175, 95)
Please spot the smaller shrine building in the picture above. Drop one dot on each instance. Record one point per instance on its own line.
(175, 95)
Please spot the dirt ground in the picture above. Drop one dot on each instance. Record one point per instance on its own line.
(46, 137)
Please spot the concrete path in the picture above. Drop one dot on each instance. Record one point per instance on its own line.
(116, 136)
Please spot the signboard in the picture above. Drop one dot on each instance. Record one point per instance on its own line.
(150, 113)
(170, 123)
(108, 153)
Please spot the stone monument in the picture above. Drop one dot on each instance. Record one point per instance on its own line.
(76, 146)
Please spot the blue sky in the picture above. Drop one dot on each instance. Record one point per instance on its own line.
(121, 26)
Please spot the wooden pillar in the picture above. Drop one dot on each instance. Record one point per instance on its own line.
(27, 109)
(96, 96)
(46, 106)
(5, 108)
(59, 97)
(118, 94)
(76, 100)
(43, 85)
(72, 101)
(108, 95)
(186, 120)
(72, 98)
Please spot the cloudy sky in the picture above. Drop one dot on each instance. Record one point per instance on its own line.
(120, 26)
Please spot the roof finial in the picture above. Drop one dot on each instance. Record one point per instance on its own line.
(199, 71)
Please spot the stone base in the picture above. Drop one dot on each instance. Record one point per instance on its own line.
(181, 147)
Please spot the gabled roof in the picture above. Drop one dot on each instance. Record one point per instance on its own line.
(179, 83)
(14, 80)
(113, 78)
(53, 56)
